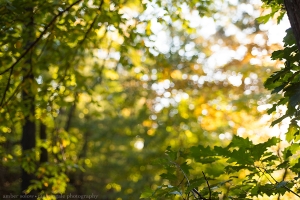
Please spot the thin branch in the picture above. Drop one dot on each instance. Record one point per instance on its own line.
(276, 182)
(13, 94)
(194, 194)
(45, 45)
(207, 185)
(11, 68)
(196, 191)
(7, 87)
(40, 37)
(181, 182)
(3, 104)
(92, 24)
(84, 38)
(288, 189)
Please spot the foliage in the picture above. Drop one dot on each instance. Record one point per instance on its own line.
(107, 86)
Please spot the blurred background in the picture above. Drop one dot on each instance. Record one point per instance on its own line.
(112, 84)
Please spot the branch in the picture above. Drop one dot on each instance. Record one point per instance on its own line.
(82, 41)
(13, 94)
(207, 185)
(11, 68)
(194, 191)
(6, 87)
(276, 182)
(92, 24)
(39, 38)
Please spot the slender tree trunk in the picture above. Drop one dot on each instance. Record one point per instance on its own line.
(28, 140)
(293, 11)
(43, 137)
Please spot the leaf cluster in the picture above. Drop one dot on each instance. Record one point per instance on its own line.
(248, 171)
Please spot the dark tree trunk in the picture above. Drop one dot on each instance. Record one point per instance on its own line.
(43, 137)
(28, 140)
(293, 11)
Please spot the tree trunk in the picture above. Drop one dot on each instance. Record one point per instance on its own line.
(28, 140)
(43, 137)
(293, 10)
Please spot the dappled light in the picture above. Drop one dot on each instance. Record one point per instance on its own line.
(151, 99)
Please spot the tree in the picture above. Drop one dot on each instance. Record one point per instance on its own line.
(292, 8)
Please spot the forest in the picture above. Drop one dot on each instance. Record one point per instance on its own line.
(150, 99)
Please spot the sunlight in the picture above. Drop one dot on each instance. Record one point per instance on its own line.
(139, 144)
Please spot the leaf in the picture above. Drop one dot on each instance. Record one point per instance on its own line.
(279, 54)
(259, 149)
(278, 89)
(171, 153)
(195, 183)
(270, 159)
(147, 193)
(264, 19)
(241, 157)
(283, 165)
(221, 151)
(292, 130)
(289, 39)
(168, 176)
(206, 160)
(240, 142)
(274, 80)
(203, 154)
(186, 168)
(280, 17)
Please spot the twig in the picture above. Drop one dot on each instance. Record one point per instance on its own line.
(11, 68)
(194, 191)
(184, 176)
(207, 185)
(6, 87)
(92, 24)
(82, 41)
(45, 45)
(276, 182)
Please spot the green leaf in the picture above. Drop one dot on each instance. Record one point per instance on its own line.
(279, 54)
(283, 165)
(195, 183)
(186, 168)
(147, 193)
(292, 130)
(278, 89)
(259, 149)
(264, 19)
(168, 176)
(289, 39)
(240, 142)
(172, 154)
(280, 17)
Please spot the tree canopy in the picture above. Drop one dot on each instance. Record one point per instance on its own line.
(147, 99)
